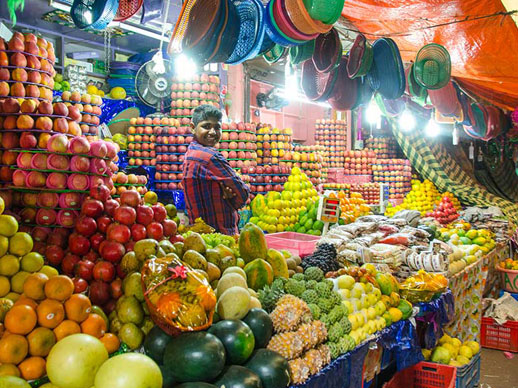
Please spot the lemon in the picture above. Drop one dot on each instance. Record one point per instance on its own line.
(9, 265)
(17, 281)
(20, 244)
(452, 349)
(466, 351)
(8, 225)
(100, 93)
(2, 205)
(5, 286)
(473, 345)
(4, 245)
(456, 342)
(462, 360)
(118, 93)
(92, 89)
(445, 339)
(49, 271)
(32, 262)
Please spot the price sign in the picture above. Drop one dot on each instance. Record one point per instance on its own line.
(329, 210)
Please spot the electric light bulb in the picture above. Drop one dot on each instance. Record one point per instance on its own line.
(432, 128)
(406, 121)
(184, 66)
(373, 113)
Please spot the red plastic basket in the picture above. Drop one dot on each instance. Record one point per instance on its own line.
(501, 337)
(297, 243)
(424, 375)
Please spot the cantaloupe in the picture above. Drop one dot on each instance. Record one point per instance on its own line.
(230, 280)
(233, 303)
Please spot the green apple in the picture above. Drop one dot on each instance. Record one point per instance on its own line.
(345, 282)
(357, 291)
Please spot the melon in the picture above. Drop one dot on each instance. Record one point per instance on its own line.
(230, 280)
(233, 303)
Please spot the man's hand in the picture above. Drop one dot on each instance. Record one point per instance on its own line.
(228, 193)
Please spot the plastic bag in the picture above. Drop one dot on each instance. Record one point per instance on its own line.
(396, 239)
(178, 298)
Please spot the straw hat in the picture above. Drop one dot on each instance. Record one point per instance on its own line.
(432, 67)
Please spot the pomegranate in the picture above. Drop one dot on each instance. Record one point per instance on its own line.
(155, 231)
(100, 192)
(86, 226)
(145, 215)
(84, 269)
(170, 228)
(103, 223)
(78, 245)
(112, 251)
(110, 205)
(69, 263)
(54, 254)
(119, 233)
(99, 292)
(130, 198)
(92, 208)
(104, 270)
(96, 240)
(138, 232)
(125, 215)
(160, 213)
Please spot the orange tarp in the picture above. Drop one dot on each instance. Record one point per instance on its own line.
(484, 51)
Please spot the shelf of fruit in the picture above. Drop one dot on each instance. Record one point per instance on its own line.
(264, 179)
(187, 94)
(332, 135)
(359, 162)
(383, 147)
(238, 144)
(272, 144)
(89, 106)
(396, 173)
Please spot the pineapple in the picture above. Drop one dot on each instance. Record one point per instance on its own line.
(299, 370)
(313, 333)
(290, 313)
(289, 345)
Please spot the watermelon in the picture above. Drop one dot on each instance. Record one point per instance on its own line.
(237, 338)
(167, 377)
(238, 377)
(198, 356)
(155, 344)
(271, 368)
(261, 325)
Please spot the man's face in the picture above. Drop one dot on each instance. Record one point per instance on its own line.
(207, 132)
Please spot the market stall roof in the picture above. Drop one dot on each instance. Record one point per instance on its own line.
(481, 36)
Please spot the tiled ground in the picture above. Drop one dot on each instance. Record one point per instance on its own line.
(497, 371)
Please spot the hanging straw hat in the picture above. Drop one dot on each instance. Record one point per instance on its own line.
(328, 51)
(387, 74)
(445, 100)
(317, 86)
(432, 67)
(360, 57)
(345, 91)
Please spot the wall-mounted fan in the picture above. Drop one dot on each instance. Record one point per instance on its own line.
(153, 84)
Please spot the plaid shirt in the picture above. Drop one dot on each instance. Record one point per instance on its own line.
(204, 170)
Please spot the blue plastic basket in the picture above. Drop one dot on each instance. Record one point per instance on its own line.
(468, 376)
(514, 295)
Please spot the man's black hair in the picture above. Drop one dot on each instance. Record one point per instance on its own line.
(204, 112)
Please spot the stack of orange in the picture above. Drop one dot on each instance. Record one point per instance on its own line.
(46, 312)
(353, 207)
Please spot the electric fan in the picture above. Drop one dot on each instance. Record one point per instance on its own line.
(153, 84)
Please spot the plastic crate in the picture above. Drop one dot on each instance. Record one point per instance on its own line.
(424, 375)
(501, 337)
(513, 294)
(468, 376)
(297, 243)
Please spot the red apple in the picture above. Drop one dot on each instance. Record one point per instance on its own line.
(86, 226)
(104, 270)
(160, 213)
(145, 215)
(125, 215)
(119, 233)
(155, 231)
(138, 232)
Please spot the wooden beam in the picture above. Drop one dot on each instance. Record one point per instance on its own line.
(511, 5)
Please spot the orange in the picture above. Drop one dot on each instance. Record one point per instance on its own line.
(9, 370)
(34, 286)
(77, 307)
(111, 342)
(59, 288)
(41, 340)
(20, 319)
(66, 328)
(50, 313)
(13, 349)
(32, 368)
(26, 301)
(94, 325)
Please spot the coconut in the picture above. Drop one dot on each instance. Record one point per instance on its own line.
(58, 143)
(46, 217)
(28, 215)
(35, 179)
(97, 166)
(58, 162)
(67, 218)
(98, 148)
(46, 199)
(24, 160)
(57, 180)
(78, 182)
(79, 145)
(39, 161)
(69, 200)
(79, 163)
(20, 178)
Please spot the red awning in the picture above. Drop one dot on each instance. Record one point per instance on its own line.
(483, 49)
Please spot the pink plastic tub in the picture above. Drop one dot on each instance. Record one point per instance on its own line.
(509, 279)
(297, 243)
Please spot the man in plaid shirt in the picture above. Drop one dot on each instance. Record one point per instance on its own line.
(213, 191)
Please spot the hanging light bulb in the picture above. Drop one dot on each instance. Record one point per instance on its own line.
(373, 113)
(432, 128)
(406, 121)
(291, 85)
(455, 135)
(184, 66)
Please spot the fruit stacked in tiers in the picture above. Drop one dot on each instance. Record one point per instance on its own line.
(263, 179)
(359, 162)
(369, 191)
(309, 159)
(188, 93)
(142, 140)
(345, 187)
(272, 144)
(384, 147)
(123, 182)
(172, 139)
(238, 144)
(396, 173)
(90, 108)
(332, 135)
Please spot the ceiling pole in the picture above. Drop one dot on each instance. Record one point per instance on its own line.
(511, 5)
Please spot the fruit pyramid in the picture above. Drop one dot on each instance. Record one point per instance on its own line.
(445, 212)
(90, 108)
(278, 212)
(423, 196)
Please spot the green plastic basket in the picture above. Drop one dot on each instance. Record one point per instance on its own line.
(432, 67)
(327, 11)
(299, 54)
(275, 54)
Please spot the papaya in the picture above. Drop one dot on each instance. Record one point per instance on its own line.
(194, 259)
(252, 243)
(406, 308)
(195, 242)
(224, 251)
(384, 283)
(259, 273)
(278, 263)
